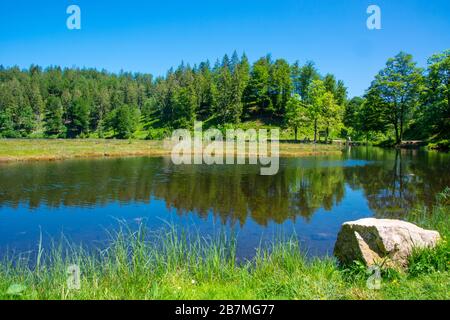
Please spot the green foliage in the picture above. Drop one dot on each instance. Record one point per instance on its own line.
(280, 86)
(85, 102)
(404, 101)
(7, 124)
(352, 116)
(296, 114)
(426, 261)
(438, 218)
(315, 102)
(206, 91)
(25, 121)
(149, 109)
(78, 118)
(79, 103)
(54, 116)
(16, 115)
(302, 78)
(157, 134)
(433, 115)
(256, 97)
(395, 93)
(123, 121)
(331, 114)
(443, 145)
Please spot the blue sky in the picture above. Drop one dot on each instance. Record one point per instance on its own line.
(152, 36)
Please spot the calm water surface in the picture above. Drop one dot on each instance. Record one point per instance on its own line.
(310, 197)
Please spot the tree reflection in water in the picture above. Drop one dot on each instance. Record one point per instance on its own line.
(393, 182)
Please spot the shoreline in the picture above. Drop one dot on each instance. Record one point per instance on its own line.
(34, 150)
(180, 265)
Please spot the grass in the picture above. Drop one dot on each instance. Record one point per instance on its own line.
(60, 149)
(437, 259)
(172, 264)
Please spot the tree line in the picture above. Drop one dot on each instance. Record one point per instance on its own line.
(71, 102)
(404, 101)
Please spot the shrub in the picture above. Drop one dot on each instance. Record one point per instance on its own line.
(443, 145)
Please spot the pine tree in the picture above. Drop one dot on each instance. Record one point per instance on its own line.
(295, 77)
(240, 77)
(123, 121)
(6, 112)
(78, 118)
(308, 74)
(280, 86)
(36, 101)
(206, 91)
(341, 93)
(256, 97)
(54, 117)
(225, 109)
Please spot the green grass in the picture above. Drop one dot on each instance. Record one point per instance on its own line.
(60, 149)
(437, 259)
(180, 265)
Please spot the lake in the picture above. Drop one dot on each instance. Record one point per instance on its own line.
(309, 198)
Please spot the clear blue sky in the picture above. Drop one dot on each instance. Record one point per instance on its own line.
(152, 36)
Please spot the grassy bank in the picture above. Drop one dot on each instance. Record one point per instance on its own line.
(59, 149)
(175, 266)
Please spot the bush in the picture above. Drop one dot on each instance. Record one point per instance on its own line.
(157, 134)
(443, 145)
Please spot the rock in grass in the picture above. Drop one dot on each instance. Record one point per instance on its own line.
(16, 289)
(381, 241)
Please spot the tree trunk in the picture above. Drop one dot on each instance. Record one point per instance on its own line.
(315, 130)
(397, 137)
(401, 130)
(296, 131)
(400, 133)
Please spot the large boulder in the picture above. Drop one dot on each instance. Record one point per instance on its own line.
(381, 241)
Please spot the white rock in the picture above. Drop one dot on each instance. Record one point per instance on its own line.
(376, 241)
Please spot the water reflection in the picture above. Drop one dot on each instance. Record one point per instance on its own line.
(399, 180)
(392, 182)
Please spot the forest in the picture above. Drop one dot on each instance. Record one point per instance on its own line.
(403, 102)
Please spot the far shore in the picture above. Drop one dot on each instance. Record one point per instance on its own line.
(18, 150)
